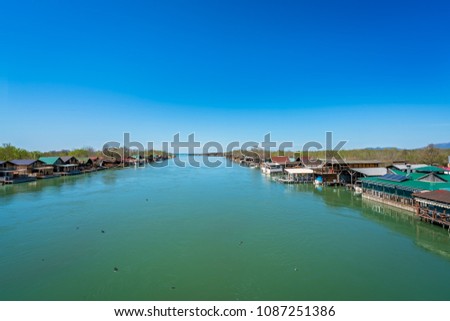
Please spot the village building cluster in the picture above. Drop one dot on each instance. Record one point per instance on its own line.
(419, 188)
(26, 170)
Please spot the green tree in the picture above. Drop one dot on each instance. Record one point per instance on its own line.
(430, 155)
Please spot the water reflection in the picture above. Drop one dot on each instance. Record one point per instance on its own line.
(428, 237)
(109, 177)
(33, 189)
(341, 197)
(9, 192)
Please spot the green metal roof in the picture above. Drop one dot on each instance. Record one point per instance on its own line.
(413, 176)
(49, 160)
(411, 183)
(397, 171)
(430, 169)
(416, 176)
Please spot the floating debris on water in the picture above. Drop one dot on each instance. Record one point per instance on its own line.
(146, 199)
(116, 269)
(173, 288)
(295, 269)
(103, 231)
(241, 242)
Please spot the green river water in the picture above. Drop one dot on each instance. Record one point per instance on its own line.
(211, 234)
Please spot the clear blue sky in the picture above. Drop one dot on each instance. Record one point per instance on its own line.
(73, 74)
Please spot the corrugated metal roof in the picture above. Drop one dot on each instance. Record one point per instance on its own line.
(23, 162)
(350, 161)
(404, 167)
(299, 170)
(280, 159)
(6, 163)
(362, 161)
(65, 159)
(440, 196)
(413, 176)
(411, 184)
(371, 171)
(394, 178)
(432, 177)
(49, 160)
(430, 169)
(397, 171)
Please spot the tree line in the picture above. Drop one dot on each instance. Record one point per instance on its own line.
(10, 152)
(429, 155)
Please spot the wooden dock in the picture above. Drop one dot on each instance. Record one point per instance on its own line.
(433, 217)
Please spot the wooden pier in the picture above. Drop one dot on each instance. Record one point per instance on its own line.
(434, 217)
(433, 207)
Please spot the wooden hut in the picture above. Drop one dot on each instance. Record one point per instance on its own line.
(52, 166)
(6, 171)
(27, 166)
(5, 165)
(85, 163)
(283, 161)
(70, 166)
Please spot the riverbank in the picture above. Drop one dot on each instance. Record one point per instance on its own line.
(228, 234)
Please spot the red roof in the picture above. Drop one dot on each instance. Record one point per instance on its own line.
(280, 159)
(440, 196)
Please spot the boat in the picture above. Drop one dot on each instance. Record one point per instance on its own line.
(19, 179)
(253, 165)
(358, 187)
(271, 168)
(318, 180)
(285, 180)
(247, 161)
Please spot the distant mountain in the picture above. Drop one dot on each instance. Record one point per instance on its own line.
(442, 145)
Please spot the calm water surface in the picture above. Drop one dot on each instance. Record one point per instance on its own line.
(211, 234)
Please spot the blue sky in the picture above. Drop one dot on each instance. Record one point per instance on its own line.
(80, 74)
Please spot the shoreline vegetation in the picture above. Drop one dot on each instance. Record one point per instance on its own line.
(9, 152)
(427, 155)
(20, 166)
